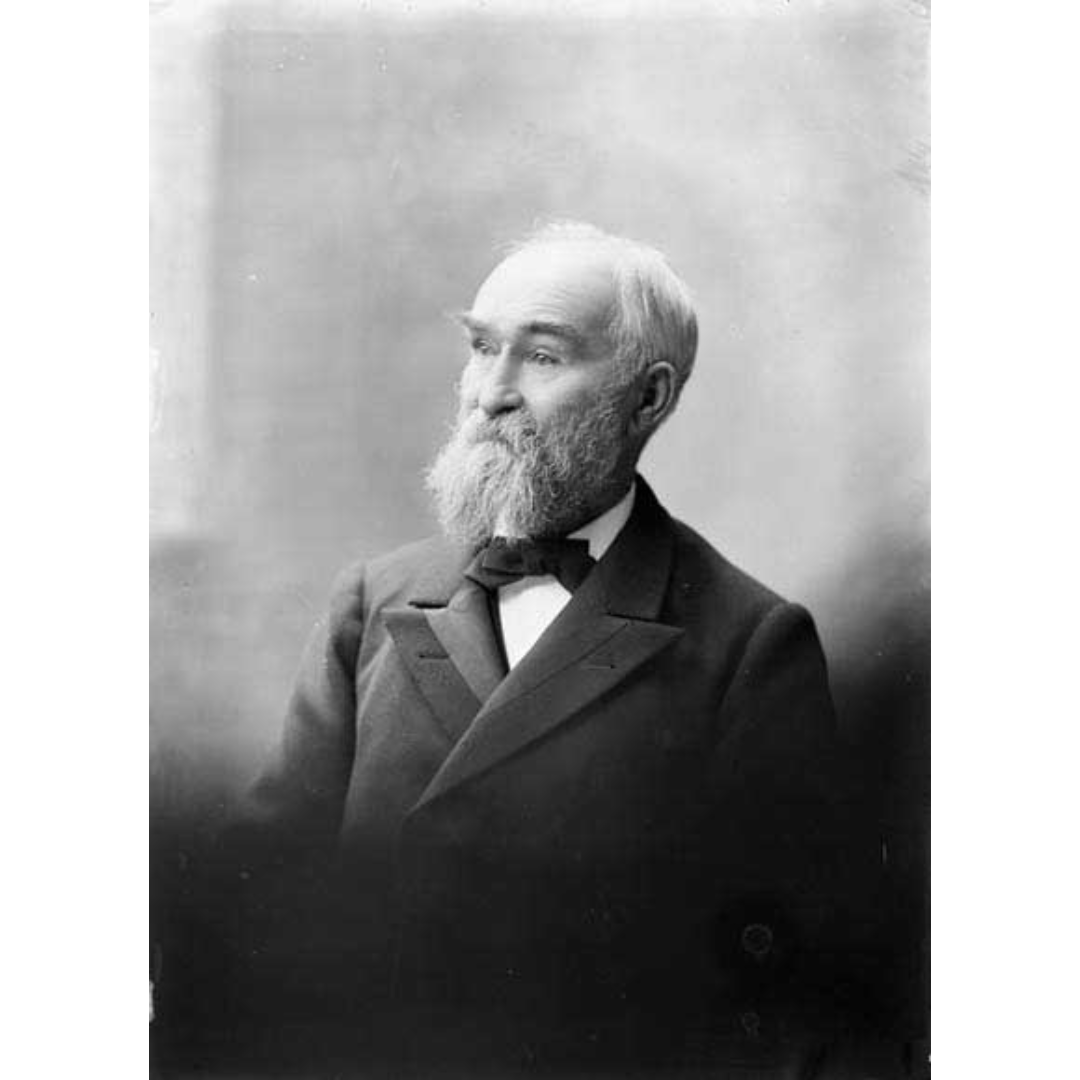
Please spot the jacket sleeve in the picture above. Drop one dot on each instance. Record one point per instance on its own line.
(781, 731)
(274, 853)
(293, 811)
(785, 808)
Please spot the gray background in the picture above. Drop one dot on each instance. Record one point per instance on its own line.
(328, 181)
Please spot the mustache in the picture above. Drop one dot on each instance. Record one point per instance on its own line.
(516, 430)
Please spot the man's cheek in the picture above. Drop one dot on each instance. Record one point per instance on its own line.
(469, 386)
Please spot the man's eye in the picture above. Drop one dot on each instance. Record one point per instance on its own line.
(539, 356)
(483, 347)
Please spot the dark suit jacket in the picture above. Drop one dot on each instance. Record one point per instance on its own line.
(630, 846)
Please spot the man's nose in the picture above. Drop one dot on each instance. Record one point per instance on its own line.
(499, 391)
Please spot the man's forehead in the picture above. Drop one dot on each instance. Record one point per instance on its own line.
(555, 283)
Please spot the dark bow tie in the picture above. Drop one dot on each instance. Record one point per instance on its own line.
(504, 561)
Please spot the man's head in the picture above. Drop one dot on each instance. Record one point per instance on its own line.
(580, 344)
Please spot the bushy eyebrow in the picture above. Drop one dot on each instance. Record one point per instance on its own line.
(565, 331)
(466, 320)
(568, 333)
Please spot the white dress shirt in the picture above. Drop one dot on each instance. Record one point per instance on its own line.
(529, 606)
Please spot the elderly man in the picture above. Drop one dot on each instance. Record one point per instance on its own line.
(569, 776)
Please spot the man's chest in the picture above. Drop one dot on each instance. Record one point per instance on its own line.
(618, 759)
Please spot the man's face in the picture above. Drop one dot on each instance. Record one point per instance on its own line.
(538, 334)
(541, 442)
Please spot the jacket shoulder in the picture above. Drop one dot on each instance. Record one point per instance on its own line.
(699, 570)
(721, 603)
(772, 642)
(396, 575)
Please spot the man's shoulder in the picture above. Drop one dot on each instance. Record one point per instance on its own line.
(701, 577)
(722, 606)
(413, 560)
(701, 573)
(407, 572)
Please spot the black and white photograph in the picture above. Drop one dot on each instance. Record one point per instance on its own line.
(539, 539)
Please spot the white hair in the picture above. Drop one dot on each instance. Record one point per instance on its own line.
(654, 317)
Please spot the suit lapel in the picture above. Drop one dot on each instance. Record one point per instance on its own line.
(449, 696)
(465, 629)
(447, 640)
(608, 630)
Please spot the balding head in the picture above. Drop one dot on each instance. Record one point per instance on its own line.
(651, 315)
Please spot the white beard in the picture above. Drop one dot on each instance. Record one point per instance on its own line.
(531, 481)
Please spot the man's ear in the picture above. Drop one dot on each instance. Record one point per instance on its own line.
(656, 397)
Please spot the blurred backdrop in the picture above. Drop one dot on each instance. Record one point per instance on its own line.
(329, 180)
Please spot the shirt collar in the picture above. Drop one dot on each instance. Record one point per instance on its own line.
(601, 531)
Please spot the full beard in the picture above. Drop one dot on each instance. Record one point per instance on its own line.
(531, 481)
